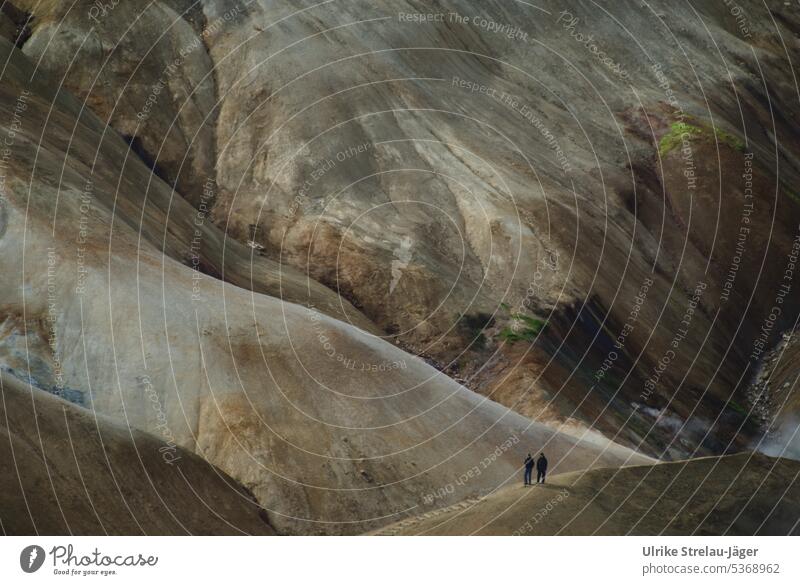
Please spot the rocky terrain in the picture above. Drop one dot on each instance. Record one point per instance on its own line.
(364, 256)
(330, 427)
(774, 392)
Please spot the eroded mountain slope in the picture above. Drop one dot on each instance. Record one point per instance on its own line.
(332, 429)
(463, 187)
(64, 470)
(465, 172)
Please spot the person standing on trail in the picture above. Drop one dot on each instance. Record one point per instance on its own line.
(528, 469)
(541, 468)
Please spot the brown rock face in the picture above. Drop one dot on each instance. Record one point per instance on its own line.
(290, 227)
(428, 172)
(333, 429)
(64, 470)
(484, 167)
(145, 71)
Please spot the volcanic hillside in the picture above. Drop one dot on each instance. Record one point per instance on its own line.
(64, 470)
(363, 256)
(332, 428)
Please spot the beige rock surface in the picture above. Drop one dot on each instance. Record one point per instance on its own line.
(332, 429)
(438, 186)
(435, 171)
(144, 70)
(67, 471)
(431, 171)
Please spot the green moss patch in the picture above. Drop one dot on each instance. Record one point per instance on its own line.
(680, 130)
(523, 328)
(674, 138)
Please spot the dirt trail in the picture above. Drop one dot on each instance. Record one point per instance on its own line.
(734, 495)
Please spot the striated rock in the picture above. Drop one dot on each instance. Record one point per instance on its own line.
(485, 166)
(434, 171)
(67, 471)
(101, 176)
(292, 403)
(144, 70)
(599, 244)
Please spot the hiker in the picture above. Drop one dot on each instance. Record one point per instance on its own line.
(541, 468)
(528, 469)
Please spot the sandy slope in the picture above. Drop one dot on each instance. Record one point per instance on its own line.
(65, 471)
(430, 171)
(332, 429)
(736, 494)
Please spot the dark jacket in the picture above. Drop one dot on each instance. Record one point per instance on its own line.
(541, 463)
(529, 462)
